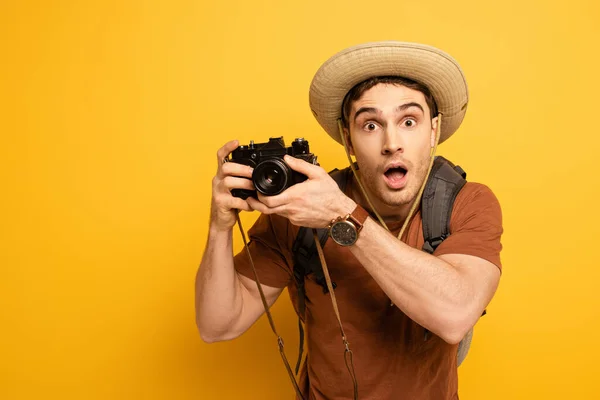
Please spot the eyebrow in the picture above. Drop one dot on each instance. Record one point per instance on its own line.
(409, 105)
(365, 110)
(401, 107)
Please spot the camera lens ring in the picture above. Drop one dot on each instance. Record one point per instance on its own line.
(270, 177)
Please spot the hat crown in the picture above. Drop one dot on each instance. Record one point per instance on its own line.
(425, 64)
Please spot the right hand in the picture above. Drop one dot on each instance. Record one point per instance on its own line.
(229, 176)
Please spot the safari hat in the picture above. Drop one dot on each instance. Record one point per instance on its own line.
(431, 67)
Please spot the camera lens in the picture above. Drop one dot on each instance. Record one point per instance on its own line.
(271, 177)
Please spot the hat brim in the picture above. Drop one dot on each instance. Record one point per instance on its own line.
(435, 69)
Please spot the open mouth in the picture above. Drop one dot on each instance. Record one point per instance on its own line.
(395, 176)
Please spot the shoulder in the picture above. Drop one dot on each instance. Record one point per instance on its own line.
(476, 200)
(474, 192)
(475, 225)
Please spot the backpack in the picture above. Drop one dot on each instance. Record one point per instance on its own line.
(444, 182)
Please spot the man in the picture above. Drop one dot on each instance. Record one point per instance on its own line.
(390, 104)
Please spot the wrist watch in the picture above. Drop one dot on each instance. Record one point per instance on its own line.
(344, 230)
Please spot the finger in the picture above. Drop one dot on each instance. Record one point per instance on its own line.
(226, 150)
(275, 201)
(240, 204)
(235, 203)
(235, 169)
(232, 182)
(263, 208)
(299, 165)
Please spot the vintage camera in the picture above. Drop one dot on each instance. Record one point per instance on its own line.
(271, 174)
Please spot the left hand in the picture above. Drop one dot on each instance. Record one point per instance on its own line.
(313, 203)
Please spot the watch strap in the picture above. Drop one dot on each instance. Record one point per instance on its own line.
(358, 217)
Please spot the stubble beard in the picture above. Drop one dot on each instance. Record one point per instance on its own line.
(373, 181)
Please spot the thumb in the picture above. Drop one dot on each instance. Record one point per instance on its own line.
(299, 165)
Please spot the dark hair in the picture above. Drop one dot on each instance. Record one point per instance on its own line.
(358, 90)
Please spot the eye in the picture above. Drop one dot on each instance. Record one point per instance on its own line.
(370, 126)
(410, 122)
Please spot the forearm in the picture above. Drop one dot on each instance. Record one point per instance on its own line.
(218, 292)
(426, 288)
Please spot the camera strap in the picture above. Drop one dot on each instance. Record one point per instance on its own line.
(348, 356)
(347, 351)
(269, 316)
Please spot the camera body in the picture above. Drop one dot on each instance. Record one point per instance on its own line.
(271, 174)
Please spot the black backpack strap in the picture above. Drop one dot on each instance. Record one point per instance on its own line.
(444, 182)
(306, 260)
(443, 185)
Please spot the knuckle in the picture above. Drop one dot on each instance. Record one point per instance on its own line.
(222, 189)
(219, 201)
(226, 168)
(240, 204)
(231, 182)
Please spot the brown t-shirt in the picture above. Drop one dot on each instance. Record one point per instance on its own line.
(392, 360)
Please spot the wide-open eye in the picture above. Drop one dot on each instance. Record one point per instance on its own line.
(410, 122)
(370, 126)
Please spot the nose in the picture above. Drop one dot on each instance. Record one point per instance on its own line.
(392, 142)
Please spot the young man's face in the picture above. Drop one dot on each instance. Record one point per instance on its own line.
(391, 135)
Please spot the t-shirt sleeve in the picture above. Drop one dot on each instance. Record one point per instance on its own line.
(475, 225)
(268, 243)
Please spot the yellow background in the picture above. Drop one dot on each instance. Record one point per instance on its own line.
(110, 118)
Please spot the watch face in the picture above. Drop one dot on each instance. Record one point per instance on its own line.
(344, 233)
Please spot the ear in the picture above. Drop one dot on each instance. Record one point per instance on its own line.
(349, 141)
(434, 125)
